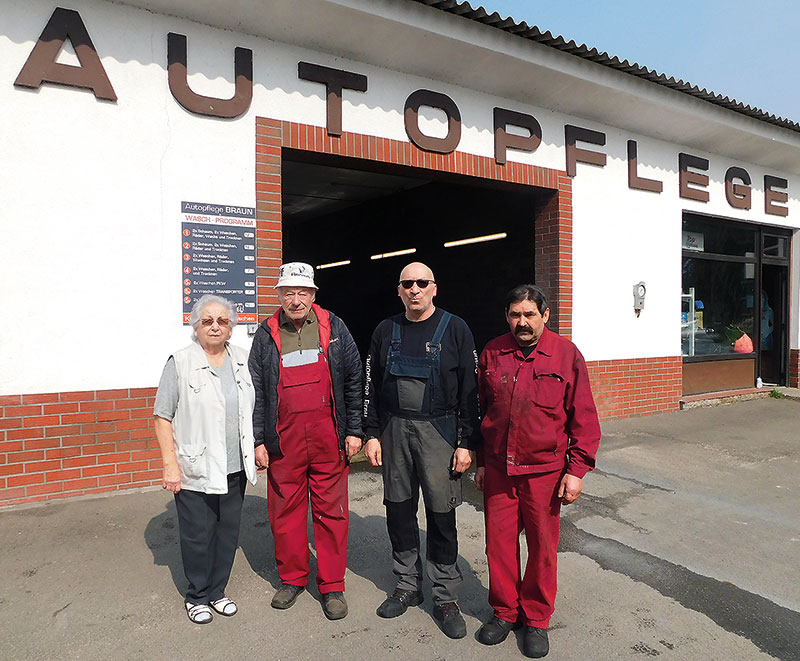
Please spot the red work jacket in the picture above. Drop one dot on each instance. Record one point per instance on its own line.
(538, 412)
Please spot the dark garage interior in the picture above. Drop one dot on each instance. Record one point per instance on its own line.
(338, 209)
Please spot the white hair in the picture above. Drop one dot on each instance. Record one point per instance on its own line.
(203, 302)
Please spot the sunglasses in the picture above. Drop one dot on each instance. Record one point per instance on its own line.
(422, 283)
(209, 321)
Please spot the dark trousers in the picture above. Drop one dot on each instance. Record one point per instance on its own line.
(209, 534)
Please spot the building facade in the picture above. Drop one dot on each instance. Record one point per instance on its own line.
(358, 135)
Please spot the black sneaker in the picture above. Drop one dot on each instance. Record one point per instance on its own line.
(534, 643)
(286, 595)
(448, 616)
(399, 601)
(495, 631)
(334, 606)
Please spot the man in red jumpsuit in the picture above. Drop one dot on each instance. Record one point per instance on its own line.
(306, 373)
(540, 436)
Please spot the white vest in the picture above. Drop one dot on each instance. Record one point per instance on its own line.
(199, 423)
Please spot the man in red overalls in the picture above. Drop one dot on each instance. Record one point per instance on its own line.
(307, 425)
(540, 436)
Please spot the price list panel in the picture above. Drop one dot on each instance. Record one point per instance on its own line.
(219, 256)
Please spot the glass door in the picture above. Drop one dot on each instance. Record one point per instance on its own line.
(774, 305)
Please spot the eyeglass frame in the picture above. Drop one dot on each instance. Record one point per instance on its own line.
(222, 322)
(418, 282)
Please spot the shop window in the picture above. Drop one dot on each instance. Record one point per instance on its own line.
(734, 304)
(776, 246)
(717, 310)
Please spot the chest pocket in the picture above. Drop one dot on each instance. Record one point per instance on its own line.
(199, 382)
(412, 375)
(303, 388)
(548, 390)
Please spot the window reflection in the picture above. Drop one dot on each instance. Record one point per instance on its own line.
(718, 237)
(717, 309)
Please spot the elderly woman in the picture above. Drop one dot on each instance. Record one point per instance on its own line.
(204, 427)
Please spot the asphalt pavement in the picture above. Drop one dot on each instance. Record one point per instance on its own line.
(684, 545)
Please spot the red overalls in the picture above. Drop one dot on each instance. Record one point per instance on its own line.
(312, 466)
(539, 421)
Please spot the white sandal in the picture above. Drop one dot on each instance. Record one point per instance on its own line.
(199, 613)
(225, 606)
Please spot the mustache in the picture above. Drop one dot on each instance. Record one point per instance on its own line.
(522, 329)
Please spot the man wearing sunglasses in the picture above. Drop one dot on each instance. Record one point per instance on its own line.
(307, 425)
(421, 422)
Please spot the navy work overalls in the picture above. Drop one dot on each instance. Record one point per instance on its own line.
(417, 448)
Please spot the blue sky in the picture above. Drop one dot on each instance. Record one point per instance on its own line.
(745, 49)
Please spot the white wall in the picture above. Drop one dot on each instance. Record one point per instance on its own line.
(90, 201)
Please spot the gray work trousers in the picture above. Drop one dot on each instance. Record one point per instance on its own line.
(416, 456)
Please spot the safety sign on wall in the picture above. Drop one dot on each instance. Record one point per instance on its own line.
(219, 256)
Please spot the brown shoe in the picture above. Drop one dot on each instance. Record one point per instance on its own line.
(286, 595)
(334, 606)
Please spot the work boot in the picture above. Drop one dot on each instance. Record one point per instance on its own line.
(448, 617)
(534, 643)
(399, 601)
(334, 606)
(495, 631)
(286, 595)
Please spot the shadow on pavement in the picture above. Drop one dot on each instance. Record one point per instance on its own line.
(368, 555)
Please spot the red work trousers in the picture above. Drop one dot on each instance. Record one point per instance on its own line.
(514, 503)
(313, 468)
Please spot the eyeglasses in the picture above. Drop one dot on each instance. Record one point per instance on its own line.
(209, 321)
(422, 283)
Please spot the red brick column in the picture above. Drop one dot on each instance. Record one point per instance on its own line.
(553, 250)
(269, 230)
(794, 368)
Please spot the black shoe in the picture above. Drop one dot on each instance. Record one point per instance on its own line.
(449, 618)
(334, 606)
(534, 643)
(286, 595)
(399, 601)
(495, 631)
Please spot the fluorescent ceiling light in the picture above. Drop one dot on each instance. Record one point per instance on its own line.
(476, 239)
(330, 265)
(396, 253)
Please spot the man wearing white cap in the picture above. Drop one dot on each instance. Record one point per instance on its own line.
(307, 425)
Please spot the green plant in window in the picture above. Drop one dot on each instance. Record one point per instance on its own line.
(733, 333)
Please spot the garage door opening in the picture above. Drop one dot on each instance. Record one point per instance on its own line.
(359, 222)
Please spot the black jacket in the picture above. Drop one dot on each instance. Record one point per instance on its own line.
(346, 380)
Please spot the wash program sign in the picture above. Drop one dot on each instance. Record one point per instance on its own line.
(219, 256)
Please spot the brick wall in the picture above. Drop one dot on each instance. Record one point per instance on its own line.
(56, 445)
(639, 386)
(794, 368)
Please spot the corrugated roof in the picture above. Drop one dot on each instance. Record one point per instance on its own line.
(533, 33)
